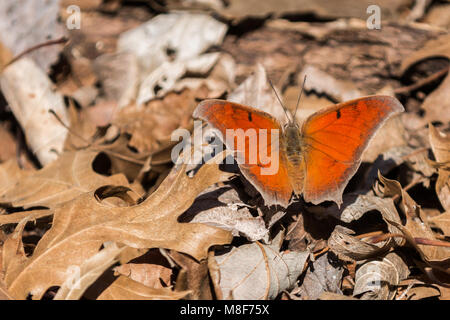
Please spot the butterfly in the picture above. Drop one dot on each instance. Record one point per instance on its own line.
(316, 158)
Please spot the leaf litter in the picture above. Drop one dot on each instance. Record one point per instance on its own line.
(88, 187)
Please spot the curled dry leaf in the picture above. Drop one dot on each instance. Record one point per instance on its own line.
(163, 53)
(256, 271)
(220, 79)
(378, 279)
(436, 104)
(149, 275)
(348, 247)
(82, 225)
(83, 276)
(223, 208)
(416, 226)
(62, 180)
(442, 222)
(323, 275)
(126, 289)
(440, 144)
(193, 276)
(31, 95)
(345, 245)
(152, 125)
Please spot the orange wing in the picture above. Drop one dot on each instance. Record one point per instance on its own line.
(222, 115)
(335, 139)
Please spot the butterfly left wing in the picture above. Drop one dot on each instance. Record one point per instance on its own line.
(335, 139)
(224, 115)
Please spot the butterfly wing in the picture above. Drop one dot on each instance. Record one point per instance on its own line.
(269, 178)
(335, 139)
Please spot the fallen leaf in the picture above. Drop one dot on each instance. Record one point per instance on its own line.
(440, 144)
(85, 274)
(378, 279)
(82, 225)
(126, 289)
(223, 208)
(163, 54)
(193, 277)
(256, 271)
(31, 95)
(416, 226)
(62, 180)
(33, 22)
(323, 275)
(149, 275)
(442, 222)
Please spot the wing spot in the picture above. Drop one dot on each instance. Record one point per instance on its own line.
(250, 116)
(338, 114)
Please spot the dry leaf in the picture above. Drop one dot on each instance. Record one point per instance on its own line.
(416, 226)
(256, 92)
(256, 271)
(164, 55)
(24, 24)
(223, 208)
(192, 277)
(440, 144)
(442, 222)
(377, 279)
(62, 180)
(84, 275)
(323, 275)
(31, 95)
(126, 289)
(82, 225)
(149, 275)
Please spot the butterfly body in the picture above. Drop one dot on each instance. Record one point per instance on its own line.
(315, 159)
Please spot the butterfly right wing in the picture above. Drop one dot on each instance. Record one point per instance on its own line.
(270, 178)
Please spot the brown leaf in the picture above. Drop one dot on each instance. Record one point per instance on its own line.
(154, 123)
(323, 275)
(126, 289)
(257, 271)
(440, 144)
(222, 207)
(436, 104)
(377, 279)
(83, 276)
(149, 275)
(442, 222)
(82, 225)
(416, 226)
(192, 277)
(62, 180)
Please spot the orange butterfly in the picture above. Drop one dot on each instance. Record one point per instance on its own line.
(315, 159)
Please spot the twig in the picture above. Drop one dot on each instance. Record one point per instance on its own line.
(422, 82)
(38, 46)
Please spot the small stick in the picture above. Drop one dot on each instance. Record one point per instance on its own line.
(422, 82)
(38, 46)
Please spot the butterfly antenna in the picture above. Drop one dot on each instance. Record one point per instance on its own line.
(299, 96)
(279, 100)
